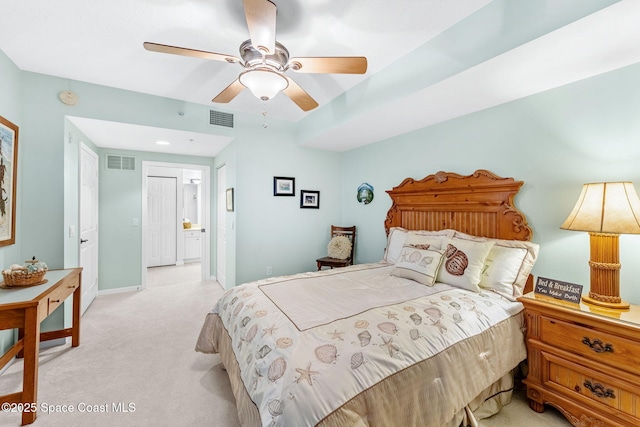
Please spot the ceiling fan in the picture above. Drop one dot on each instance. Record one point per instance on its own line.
(265, 61)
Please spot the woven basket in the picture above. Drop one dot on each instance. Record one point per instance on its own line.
(22, 277)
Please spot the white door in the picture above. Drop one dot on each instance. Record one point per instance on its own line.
(221, 242)
(161, 219)
(88, 225)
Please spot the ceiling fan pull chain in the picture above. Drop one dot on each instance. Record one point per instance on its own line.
(264, 114)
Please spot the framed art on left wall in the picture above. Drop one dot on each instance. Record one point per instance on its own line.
(8, 177)
(284, 186)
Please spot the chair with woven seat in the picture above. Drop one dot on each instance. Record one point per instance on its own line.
(349, 233)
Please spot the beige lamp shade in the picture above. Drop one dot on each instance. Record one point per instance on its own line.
(606, 207)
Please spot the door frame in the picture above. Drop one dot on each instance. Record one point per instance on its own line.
(205, 259)
(221, 218)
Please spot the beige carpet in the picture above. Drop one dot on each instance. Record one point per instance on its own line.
(137, 349)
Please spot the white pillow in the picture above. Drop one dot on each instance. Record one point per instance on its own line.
(463, 263)
(508, 265)
(418, 264)
(395, 242)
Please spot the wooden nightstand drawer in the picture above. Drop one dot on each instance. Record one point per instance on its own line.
(57, 297)
(598, 346)
(579, 382)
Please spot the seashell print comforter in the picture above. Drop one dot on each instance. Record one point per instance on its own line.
(341, 346)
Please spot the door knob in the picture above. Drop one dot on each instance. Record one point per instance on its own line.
(83, 241)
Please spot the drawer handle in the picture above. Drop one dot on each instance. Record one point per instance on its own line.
(599, 390)
(55, 300)
(597, 345)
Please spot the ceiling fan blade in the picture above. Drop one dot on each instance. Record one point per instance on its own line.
(330, 65)
(163, 48)
(261, 20)
(229, 92)
(299, 96)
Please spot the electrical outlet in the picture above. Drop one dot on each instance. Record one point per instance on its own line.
(269, 271)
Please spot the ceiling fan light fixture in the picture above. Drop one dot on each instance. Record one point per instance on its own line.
(263, 83)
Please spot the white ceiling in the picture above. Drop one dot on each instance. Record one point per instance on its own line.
(100, 41)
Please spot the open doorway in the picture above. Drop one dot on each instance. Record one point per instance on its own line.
(175, 226)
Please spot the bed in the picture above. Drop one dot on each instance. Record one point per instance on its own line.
(428, 336)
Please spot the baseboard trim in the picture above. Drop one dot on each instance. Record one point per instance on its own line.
(119, 290)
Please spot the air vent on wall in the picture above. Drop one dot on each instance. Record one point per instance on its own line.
(124, 163)
(220, 119)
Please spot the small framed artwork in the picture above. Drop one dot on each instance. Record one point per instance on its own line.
(309, 199)
(283, 186)
(8, 177)
(229, 199)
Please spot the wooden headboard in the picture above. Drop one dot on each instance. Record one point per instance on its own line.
(480, 204)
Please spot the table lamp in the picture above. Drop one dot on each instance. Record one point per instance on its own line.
(605, 210)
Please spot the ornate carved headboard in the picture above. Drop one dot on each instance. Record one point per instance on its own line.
(480, 204)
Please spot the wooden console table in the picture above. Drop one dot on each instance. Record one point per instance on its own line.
(23, 309)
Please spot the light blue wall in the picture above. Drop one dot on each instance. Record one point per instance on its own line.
(229, 159)
(275, 231)
(120, 247)
(255, 157)
(555, 141)
(45, 138)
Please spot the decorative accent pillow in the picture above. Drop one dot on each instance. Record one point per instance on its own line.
(398, 235)
(418, 262)
(436, 239)
(463, 263)
(339, 247)
(508, 265)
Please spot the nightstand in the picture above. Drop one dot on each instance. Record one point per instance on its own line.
(584, 360)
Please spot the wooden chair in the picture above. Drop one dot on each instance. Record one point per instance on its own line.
(350, 233)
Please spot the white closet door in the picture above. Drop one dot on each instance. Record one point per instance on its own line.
(161, 219)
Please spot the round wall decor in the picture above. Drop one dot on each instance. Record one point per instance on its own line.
(365, 193)
(68, 97)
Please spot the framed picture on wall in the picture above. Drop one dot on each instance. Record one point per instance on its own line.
(229, 199)
(8, 177)
(309, 199)
(283, 186)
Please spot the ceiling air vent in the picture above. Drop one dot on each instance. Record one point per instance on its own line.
(124, 163)
(220, 119)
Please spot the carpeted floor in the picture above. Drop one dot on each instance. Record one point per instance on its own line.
(136, 366)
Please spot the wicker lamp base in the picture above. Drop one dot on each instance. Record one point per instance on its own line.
(605, 272)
